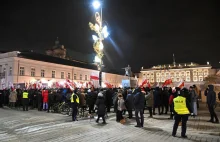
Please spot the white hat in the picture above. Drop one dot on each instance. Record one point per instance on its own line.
(100, 94)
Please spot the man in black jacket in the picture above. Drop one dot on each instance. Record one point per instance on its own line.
(211, 101)
(139, 101)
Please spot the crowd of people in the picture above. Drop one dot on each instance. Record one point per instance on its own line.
(176, 101)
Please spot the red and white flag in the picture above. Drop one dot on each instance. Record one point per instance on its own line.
(167, 82)
(146, 83)
(181, 84)
(94, 77)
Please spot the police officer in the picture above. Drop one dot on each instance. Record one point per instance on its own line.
(182, 111)
(75, 102)
(25, 100)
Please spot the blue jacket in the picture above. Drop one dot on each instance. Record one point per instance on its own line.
(139, 100)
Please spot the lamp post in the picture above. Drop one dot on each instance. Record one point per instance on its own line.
(102, 33)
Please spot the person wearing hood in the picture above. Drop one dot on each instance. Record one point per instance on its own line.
(129, 103)
(101, 108)
(121, 107)
(211, 102)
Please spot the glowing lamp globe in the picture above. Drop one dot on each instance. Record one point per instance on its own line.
(96, 4)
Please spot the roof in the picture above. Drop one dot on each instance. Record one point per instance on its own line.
(51, 59)
(176, 66)
(56, 60)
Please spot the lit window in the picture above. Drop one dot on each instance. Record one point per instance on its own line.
(194, 72)
(74, 76)
(42, 73)
(194, 78)
(53, 74)
(188, 79)
(62, 75)
(188, 73)
(21, 72)
(85, 77)
(32, 71)
(200, 78)
(68, 75)
(80, 77)
(10, 71)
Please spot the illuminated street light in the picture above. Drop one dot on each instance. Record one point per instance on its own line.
(96, 4)
(97, 59)
(94, 37)
(105, 32)
(101, 46)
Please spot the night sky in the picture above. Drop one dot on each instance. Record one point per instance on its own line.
(143, 32)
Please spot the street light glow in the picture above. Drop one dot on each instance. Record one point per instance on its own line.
(96, 4)
(105, 32)
(101, 46)
(97, 59)
(94, 37)
(96, 27)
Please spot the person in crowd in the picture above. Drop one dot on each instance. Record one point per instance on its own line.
(82, 100)
(90, 100)
(34, 99)
(182, 110)
(157, 100)
(108, 99)
(25, 100)
(1, 98)
(50, 99)
(121, 107)
(129, 103)
(172, 96)
(39, 100)
(45, 99)
(149, 102)
(101, 108)
(13, 98)
(139, 100)
(194, 98)
(75, 103)
(219, 96)
(164, 100)
(211, 102)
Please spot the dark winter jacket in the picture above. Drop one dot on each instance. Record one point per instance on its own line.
(90, 98)
(219, 96)
(156, 94)
(211, 96)
(100, 103)
(149, 99)
(108, 97)
(139, 100)
(129, 102)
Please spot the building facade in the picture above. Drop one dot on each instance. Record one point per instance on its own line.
(18, 68)
(191, 73)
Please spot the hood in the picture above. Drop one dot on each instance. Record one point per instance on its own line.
(211, 87)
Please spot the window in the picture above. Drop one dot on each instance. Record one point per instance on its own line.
(42, 73)
(74, 76)
(10, 71)
(200, 78)
(68, 75)
(32, 71)
(177, 79)
(80, 77)
(167, 74)
(194, 72)
(85, 77)
(53, 74)
(21, 72)
(158, 79)
(177, 74)
(62, 75)
(188, 73)
(152, 80)
(194, 78)
(188, 79)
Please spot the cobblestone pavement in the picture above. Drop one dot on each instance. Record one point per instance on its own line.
(37, 126)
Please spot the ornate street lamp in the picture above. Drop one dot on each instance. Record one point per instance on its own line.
(102, 33)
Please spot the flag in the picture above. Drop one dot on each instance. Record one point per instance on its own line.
(108, 85)
(167, 82)
(146, 82)
(94, 77)
(181, 84)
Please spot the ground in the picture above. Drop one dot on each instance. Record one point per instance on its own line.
(34, 126)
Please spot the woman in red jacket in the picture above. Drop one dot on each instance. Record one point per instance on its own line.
(45, 99)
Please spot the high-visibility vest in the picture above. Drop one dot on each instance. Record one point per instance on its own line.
(77, 98)
(180, 105)
(25, 95)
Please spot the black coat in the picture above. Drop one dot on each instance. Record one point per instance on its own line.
(90, 98)
(129, 102)
(139, 101)
(211, 96)
(108, 97)
(100, 103)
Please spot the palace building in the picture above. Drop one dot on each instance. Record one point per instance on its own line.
(191, 73)
(19, 68)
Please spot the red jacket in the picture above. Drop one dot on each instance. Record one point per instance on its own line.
(171, 99)
(45, 96)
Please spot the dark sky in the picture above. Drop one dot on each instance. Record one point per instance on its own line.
(143, 32)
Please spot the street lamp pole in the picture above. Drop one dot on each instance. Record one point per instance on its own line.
(102, 33)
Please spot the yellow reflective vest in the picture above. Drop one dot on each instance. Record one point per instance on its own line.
(72, 100)
(25, 95)
(180, 105)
